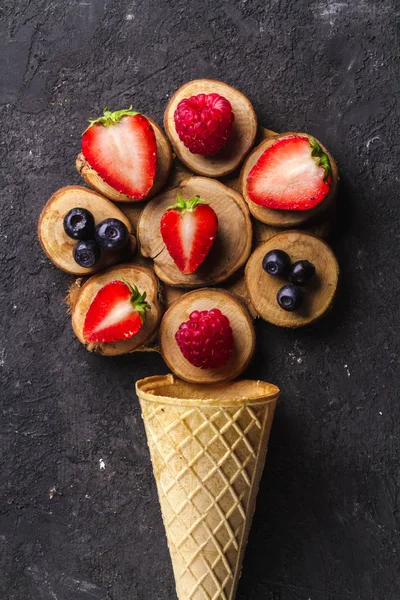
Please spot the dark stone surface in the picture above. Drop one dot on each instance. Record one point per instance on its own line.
(328, 517)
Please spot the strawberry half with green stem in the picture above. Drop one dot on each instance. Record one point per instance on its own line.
(121, 147)
(294, 173)
(188, 229)
(117, 313)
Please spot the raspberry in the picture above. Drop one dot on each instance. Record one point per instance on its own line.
(206, 339)
(204, 123)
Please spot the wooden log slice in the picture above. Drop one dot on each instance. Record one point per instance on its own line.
(319, 293)
(132, 212)
(164, 162)
(236, 285)
(59, 247)
(285, 218)
(321, 226)
(242, 137)
(242, 327)
(231, 247)
(171, 294)
(145, 280)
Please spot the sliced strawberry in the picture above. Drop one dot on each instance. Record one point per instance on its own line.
(117, 313)
(294, 173)
(121, 147)
(188, 229)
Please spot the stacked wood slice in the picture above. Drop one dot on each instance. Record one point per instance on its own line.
(231, 278)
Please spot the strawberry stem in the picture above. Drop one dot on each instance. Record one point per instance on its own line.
(111, 118)
(138, 300)
(191, 204)
(321, 157)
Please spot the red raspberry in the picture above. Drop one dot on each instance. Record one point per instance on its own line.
(204, 123)
(206, 339)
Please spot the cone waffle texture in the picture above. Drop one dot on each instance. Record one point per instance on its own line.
(208, 447)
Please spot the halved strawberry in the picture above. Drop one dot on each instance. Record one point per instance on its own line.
(188, 229)
(294, 173)
(121, 147)
(117, 313)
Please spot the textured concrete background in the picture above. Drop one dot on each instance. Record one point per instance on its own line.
(328, 517)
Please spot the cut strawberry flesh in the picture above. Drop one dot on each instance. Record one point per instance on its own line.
(287, 177)
(118, 314)
(188, 228)
(111, 316)
(124, 154)
(189, 235)
(171, 232)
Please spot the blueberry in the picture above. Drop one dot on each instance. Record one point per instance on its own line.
(276, 262)
(301, 272)
(86, 253)
(112, 234)
(290, 297)
(79, 224)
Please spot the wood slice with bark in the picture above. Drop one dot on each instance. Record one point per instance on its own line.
(132, 212)
(137, 275)
(59, 247)
(318, 293)
(231, 247)
(242, 327)
(320, 226)
(240, 141)
(285, 218)
(236, 285)
(164, 163)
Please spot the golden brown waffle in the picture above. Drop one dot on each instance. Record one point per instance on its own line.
(208, 456)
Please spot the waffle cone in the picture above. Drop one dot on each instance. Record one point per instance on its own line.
(208, 445)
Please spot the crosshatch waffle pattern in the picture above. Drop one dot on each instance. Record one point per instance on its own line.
(204, 461)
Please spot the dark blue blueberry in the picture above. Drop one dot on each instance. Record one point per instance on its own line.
(87, 253)
(79, 224)
(301, 272)
(276, 262)
(290, 297)
(112, 234)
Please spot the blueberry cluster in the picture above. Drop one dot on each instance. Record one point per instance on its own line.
(110, 234)
(278, 264)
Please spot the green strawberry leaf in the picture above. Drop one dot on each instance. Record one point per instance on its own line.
(111, 118)
(138, 300)
(191, 204)
(321, 158)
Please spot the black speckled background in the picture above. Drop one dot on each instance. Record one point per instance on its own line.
(328, 516)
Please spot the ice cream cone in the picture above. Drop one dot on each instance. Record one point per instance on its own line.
(208, 445)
